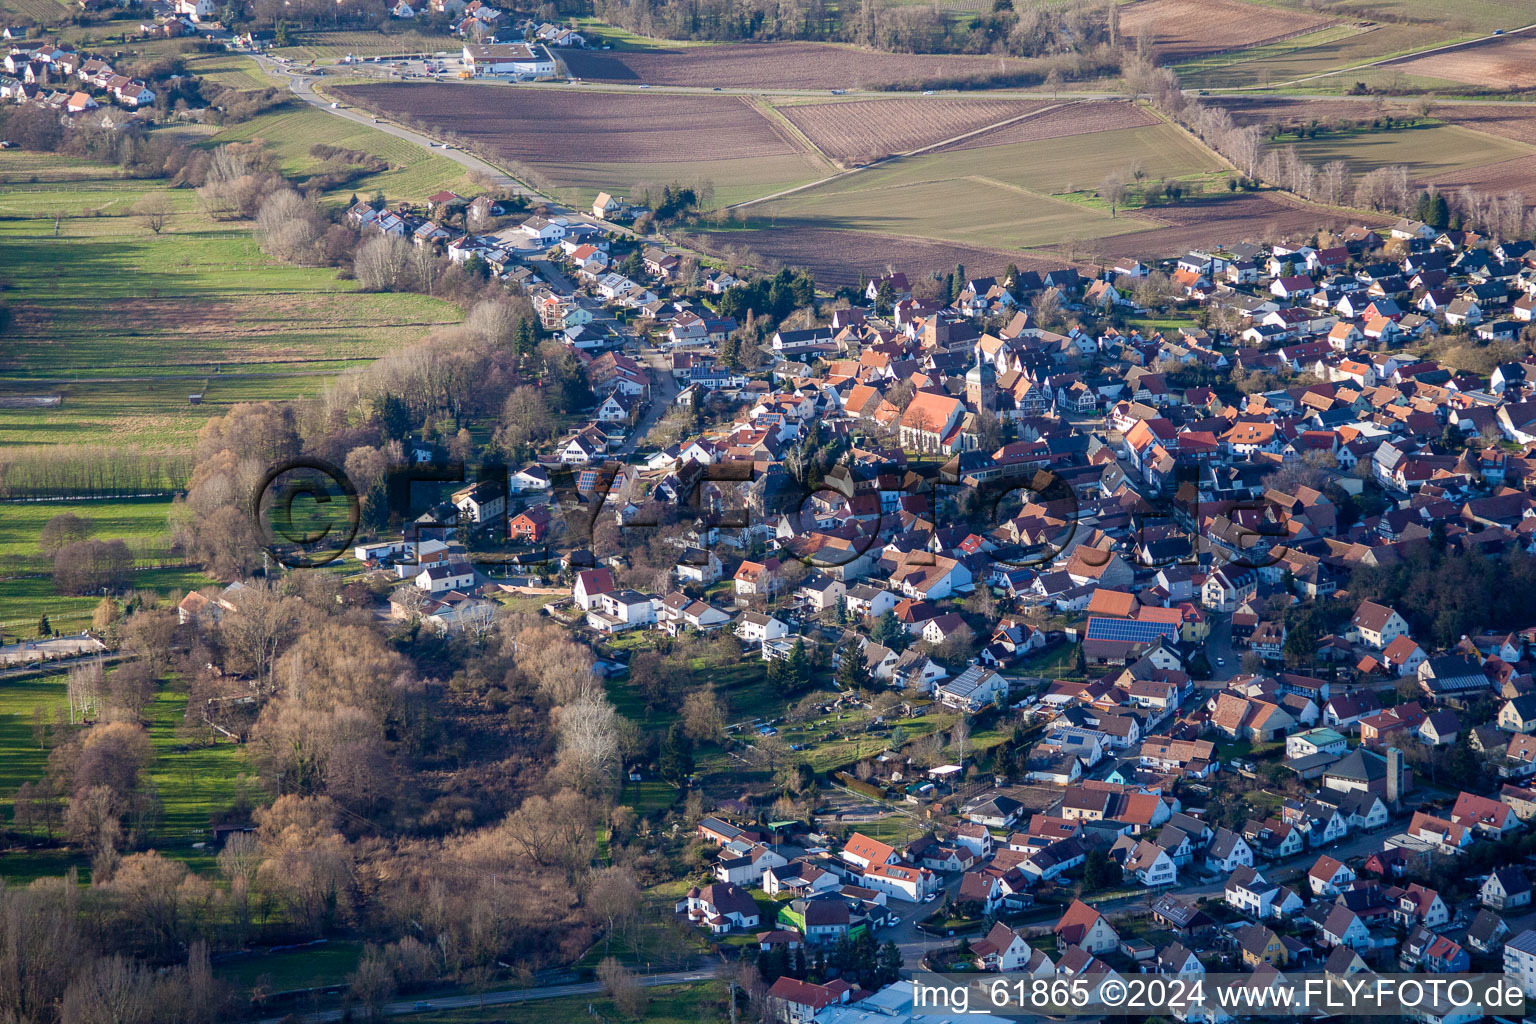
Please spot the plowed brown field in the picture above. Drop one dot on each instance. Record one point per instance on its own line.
(1246, 217)
(1182, 29)
(779, 65)
(1503, 63)
(839, 257)
(865, 130)
(1075, 119)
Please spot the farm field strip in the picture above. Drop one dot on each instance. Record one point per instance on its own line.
(580, 143)
(1324, 36)
(1464, 16)
(1184, 29)
(754, 65)
(1086, 117)
(1431, 152)
(869, 129)
(1508, 62)
(1312, 62)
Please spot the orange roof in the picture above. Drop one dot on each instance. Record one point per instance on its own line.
(1116, 603)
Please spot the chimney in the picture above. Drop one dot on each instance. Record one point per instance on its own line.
(1394, 775)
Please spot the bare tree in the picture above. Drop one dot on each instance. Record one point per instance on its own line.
(1112, 190)
(614, 896)
(622, 987)
(153, 211)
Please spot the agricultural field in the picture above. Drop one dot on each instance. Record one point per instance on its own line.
(1513, 121)
(123, 324)
(865, 130)
(1505, 63)
(840, 257)
(1433, 153)
(1502, 178)
(1322, 52)
(1223, 219)
(331, 45)
(579, 143)
(232, 70)
(1082, 118)
(999, 201)
(786, 66)
(1465, 16)
(1183, 29)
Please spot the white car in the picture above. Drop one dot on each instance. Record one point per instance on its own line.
(335, 106)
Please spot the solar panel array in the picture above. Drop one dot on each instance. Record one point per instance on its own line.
(1129, 631)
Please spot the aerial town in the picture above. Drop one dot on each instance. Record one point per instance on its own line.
(1035, 498)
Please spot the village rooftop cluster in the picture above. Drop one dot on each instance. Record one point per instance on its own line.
(1191, 682)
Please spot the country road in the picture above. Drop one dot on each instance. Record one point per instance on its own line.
(501, 998)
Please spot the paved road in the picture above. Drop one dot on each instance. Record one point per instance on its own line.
(663, 392)
(501, 998)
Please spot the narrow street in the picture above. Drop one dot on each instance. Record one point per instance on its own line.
(663, 392)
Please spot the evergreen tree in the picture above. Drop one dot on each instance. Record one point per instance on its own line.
(853, 670)
(888, 964)
(44, 628)
(393, 415)
(676, 758)
(889, 632)
(799, 667)
(1439, 212)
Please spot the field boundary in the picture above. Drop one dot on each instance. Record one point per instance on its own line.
(900, 156)
(787, 129)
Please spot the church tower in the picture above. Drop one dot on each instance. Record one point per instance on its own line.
(981, 385)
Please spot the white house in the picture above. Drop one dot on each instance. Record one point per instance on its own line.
(439, 579)
(900, 881)
(755, 627)
(1328, 876)
(972, 689)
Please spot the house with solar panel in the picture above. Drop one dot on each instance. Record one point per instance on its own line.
(972, 689)
(1110, 641)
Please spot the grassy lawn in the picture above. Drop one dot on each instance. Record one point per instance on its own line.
(291, 131)
(123, 324)
(193, 782)
(23, 601)
(140, 521)
(1059, 662)
(697, 1003)
(311, 967)
(1429, 150)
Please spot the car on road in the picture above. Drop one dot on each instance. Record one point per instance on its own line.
(421, 1004)
(645, 86)
(335, 106)
(927, 92)
(930, 897)
(1221, 661)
